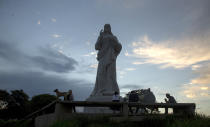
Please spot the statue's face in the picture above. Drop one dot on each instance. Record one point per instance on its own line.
(107, 28)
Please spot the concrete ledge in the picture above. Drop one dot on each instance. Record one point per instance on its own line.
(45, 120)
(63, 111)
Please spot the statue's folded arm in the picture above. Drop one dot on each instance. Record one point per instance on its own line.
(98, 44)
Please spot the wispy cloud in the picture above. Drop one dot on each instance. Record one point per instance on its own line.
(194, 91)
(91, 54)
(204, 75)
(126, 53)
(130, 69)
(173, 53)
(199, 87)
(56, 35)
(53, 19)
(195, 67)
(124, 71)
(138, 62)
(88, 43)
(94, 66)
(38, 22)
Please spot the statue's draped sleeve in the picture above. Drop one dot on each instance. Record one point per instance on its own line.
(117, 46)
(98, 44)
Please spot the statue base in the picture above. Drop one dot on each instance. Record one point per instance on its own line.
(98, 109)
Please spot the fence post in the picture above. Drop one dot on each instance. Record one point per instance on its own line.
(125, 109)
(166, 110)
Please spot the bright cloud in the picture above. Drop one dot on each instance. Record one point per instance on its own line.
(138, 62)
(193, 52)
(91, 54)
(126, 53)
(173, 53)
(198, 88)
(124, 71)
(195, 67)
(56, 35)
(130, 69)
(190, 95)
(204, 88)
(204, 75)
(94, 66)
(194, 91)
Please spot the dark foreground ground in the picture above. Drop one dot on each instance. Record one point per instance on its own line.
(170, 121)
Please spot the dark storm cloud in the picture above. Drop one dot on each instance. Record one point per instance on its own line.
(197, 16)
(48, 59)
(38, 83)
(54, 61)
(9, 52)
(35, 81)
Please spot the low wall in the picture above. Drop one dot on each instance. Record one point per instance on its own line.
(63, 110)
(45, 120)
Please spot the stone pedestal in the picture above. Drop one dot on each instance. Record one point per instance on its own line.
(107, 98)
(98, 109)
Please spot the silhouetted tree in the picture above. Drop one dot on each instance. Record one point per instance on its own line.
(42, 100)
(4, 95)
(20, 97)
(18, 104)
(22, 106)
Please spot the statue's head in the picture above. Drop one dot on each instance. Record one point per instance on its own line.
(107, 28)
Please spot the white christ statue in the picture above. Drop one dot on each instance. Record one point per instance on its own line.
(108, 49)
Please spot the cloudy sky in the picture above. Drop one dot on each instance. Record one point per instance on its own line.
(48, 44)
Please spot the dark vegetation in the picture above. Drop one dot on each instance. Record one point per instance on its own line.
(170, 121)
(16, 123)
(19, 105)
(81, 121)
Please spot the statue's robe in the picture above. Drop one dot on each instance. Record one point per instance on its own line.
(108, 49)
